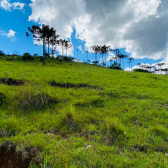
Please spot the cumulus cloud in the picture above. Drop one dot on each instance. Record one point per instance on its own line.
(57, 14)
(10, 34)
(18, 5)
(8, 6)
(5, 4)
(138, 25)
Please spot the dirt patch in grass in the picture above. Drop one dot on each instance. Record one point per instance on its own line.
(10, 159)
(10, 81)
(71, 85)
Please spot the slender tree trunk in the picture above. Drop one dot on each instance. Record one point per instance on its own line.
(129, 66)
(43, 47)
(102, 59)
(123, 64)
(48, 46)
(52, 51)
(105, 59)
(43, 52)
(63, 50)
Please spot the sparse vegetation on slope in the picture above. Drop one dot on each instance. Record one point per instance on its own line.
(122, 124)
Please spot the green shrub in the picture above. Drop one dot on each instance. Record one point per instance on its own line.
(116, 67)
(2, 53)
(141, 70)
(27, 57)
(65, 58)
(9, 58)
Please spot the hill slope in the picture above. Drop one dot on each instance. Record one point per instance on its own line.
(80, 115)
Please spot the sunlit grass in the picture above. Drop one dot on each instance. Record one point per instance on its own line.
(122, 122)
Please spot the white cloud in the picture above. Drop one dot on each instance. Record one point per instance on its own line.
(10, 34)
(57, 14)
(128, 69)
(18, 5)
(5, 4)
(138, 25)
(8, 6)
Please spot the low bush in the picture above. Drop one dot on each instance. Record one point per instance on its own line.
(141, 70)
(27, 57)
(116, 67)
(65, 58)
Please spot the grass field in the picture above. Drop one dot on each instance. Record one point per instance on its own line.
(90, 117)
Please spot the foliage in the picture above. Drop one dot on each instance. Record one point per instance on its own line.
(142, 70)
(65, 58)
(96, 49)
(47, 55)
(116, 66)
(95, 62)
(35, 55)
(41, 35)
(2, 53)
(27, 57)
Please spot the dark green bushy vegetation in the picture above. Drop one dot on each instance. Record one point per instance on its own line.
(121, 122)
(2, 53)
(115, 67)
(27, 57)
(142, 70)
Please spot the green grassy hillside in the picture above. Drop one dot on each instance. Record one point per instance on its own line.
(81, 115)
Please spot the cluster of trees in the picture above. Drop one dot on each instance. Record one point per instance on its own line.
(2, 53)
(157, 68)
(103, 50)
(47, 35)
(114, 61)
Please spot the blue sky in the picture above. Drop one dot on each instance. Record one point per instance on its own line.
(80, 25)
